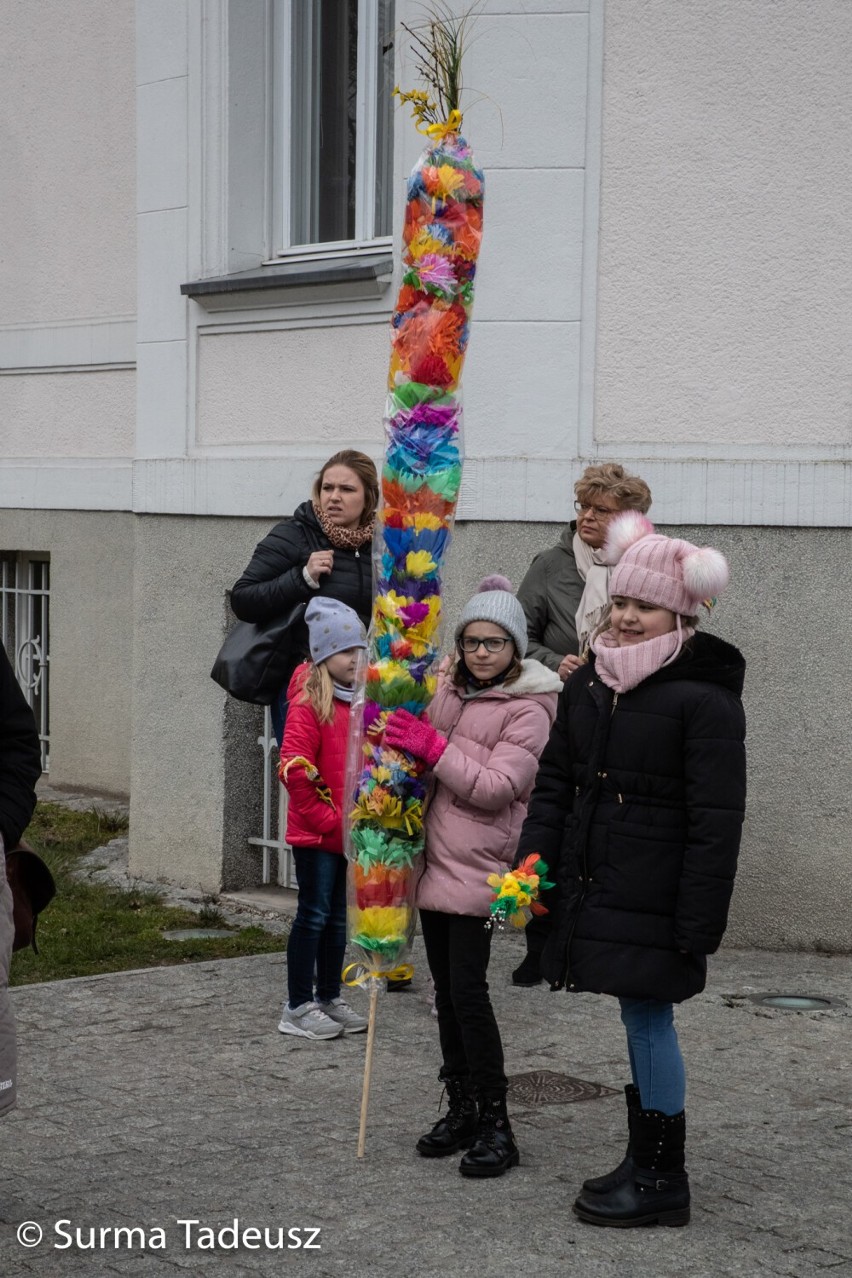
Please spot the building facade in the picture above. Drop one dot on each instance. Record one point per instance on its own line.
(201, 208)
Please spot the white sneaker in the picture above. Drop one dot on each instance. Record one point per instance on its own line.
(308, 1021)
(350, 1021)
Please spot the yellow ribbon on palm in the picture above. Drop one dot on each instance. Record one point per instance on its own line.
(403, 972)
(441, 128)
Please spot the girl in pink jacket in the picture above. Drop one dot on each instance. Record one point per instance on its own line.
(313, 768)
(487, 726)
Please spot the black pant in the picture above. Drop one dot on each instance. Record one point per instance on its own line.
(458, 947)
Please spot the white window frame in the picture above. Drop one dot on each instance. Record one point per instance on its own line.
(366, 119)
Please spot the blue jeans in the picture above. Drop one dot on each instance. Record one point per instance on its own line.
(655, 1059)
(318, 935)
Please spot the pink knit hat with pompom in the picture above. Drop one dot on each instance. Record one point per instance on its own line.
(660, 570)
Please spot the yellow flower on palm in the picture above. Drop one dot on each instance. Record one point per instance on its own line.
(449, 179)
(422, 243)
(419, 563)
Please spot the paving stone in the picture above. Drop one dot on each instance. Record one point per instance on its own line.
(151, 1096)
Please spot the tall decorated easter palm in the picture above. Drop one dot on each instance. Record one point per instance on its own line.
(420, 486)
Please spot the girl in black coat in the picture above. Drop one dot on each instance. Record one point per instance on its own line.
(638, 809)
(325, 549)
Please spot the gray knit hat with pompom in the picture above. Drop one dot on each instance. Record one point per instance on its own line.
(495, 602)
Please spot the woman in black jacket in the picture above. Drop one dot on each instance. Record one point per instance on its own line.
(638, 809)
(325, 549)
(20, 768)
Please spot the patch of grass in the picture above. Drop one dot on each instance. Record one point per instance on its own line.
(209, 916)
(111, 823)
(89, 928)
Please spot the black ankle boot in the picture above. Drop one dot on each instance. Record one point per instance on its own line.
(494, 1151)
(528, 972)
(457, 1128)
(656, 1191)
(603, 1184)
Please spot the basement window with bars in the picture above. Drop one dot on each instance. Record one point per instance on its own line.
(335, 73)
(25, 631)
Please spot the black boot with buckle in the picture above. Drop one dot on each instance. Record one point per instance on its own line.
(458, 1127)
(494, 1151)
(603, 1184)
(656, 1191)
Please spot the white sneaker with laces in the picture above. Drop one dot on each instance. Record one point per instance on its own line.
(350, 1021)
(308, 1021)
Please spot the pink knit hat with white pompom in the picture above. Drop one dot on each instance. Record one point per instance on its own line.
(660, 570)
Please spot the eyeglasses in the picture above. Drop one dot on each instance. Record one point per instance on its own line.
(602, 512)
(470, 643)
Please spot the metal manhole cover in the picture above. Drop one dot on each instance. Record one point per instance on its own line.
(546, 1087)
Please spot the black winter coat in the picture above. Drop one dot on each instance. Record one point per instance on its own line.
(20, 757)
(637, 809)
(273, 581)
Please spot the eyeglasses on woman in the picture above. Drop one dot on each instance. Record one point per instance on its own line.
(602, 512)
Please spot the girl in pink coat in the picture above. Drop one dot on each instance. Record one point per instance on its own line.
(487, 726)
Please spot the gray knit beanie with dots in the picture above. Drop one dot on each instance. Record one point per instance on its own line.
(495, 602)
(332, 627)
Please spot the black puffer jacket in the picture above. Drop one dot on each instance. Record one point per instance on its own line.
(20, 756)
(273, 581)
(638, 808)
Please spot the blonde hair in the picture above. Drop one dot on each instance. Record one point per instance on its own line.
(609, 479)
(318, 692)
(361, 465)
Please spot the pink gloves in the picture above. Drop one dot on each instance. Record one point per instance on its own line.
(405, 731)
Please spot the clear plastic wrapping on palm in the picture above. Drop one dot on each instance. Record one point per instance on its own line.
(421, 478)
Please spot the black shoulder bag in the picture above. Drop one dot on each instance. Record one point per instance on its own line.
(256, 657)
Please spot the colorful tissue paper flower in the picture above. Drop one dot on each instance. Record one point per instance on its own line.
(373, 846)
(443, 180)
(435, 274)
(431, 368)
(381, 930)
(518, 889)
(423, 498)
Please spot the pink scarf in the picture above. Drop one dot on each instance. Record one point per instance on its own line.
(624, 668)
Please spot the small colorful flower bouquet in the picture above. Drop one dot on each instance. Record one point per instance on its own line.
(516, 892)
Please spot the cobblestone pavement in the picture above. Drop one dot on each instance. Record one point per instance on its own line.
(150, 1098)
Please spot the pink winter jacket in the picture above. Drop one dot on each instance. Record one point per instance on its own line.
(482, 784)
